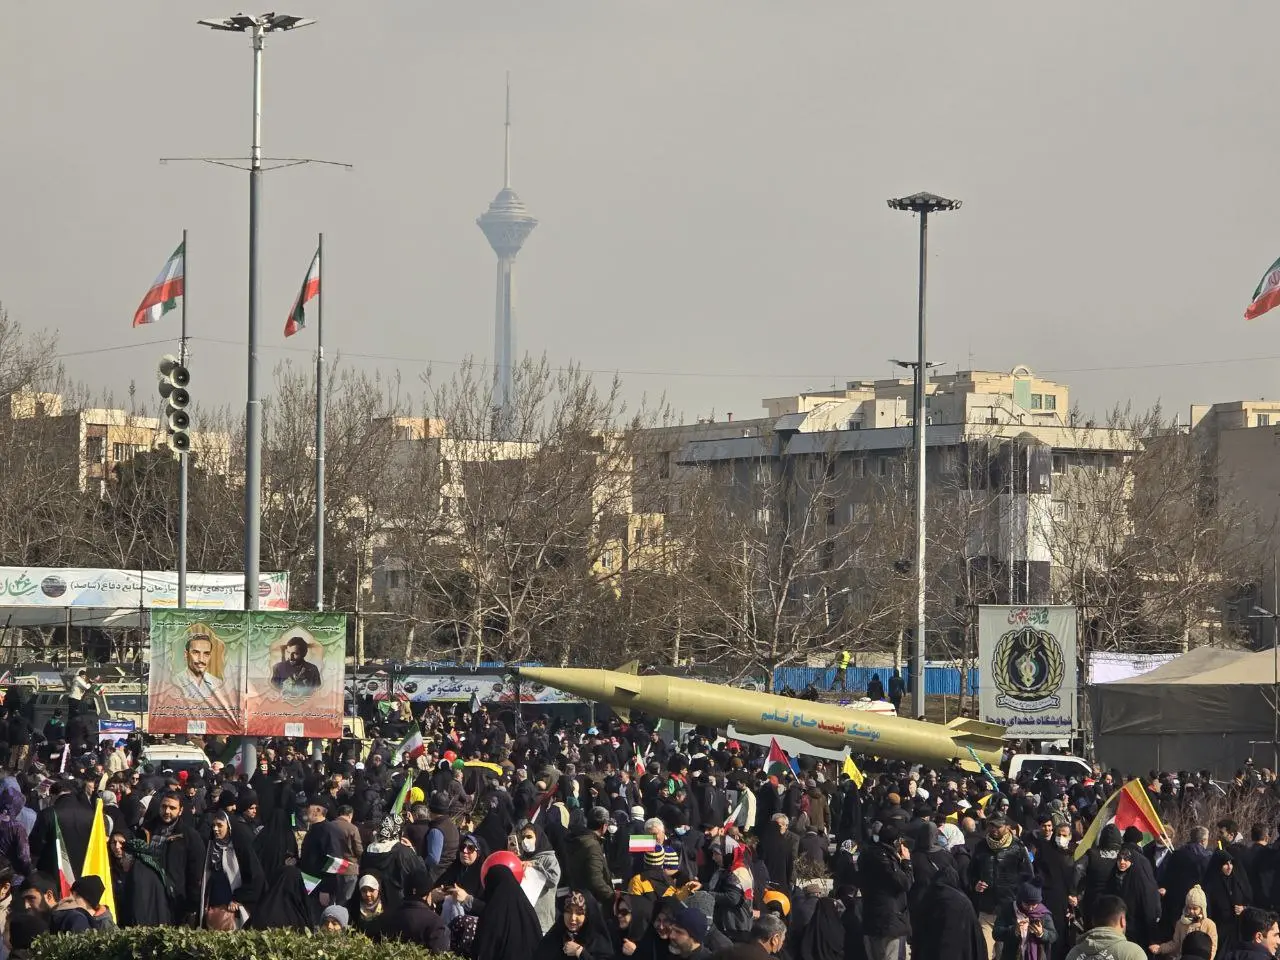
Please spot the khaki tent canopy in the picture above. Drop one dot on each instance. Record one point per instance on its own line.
(1200, 711)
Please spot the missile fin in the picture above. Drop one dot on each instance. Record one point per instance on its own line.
(631, 666)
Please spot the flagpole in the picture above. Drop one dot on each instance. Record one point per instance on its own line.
(182, 454)
(320, 425)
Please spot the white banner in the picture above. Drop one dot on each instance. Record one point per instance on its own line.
(458, 688)
(134, 589)
(1027, 670)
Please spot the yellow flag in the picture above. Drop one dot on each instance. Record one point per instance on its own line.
(97, 863)
(852, 772)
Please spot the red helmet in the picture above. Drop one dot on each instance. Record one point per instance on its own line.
(503, 858)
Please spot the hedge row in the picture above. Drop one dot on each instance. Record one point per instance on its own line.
(160, 943)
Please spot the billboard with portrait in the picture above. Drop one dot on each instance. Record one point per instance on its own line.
(262, 673)
(295, 675)
(197, 671)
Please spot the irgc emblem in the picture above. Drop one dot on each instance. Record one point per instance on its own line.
(1028, 666)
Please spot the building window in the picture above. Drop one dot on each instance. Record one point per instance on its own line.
(1051, 401)
(1059, 463)
(859, 467)
(124, 451)
(1264, 420)
(664, 466)
(882, 466)
(1037, 401)
(95, 449)
(815, 468)
(762, 516)
(446, 471)
(393, 579)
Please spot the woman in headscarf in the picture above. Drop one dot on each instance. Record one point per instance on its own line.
(822, 938)
(1134, 882)
(464, 872)
(507, 926)
(276, 845)
(617, 842)
(13, 837)
(368, 912)
(579, 932)
(953, 931)
(1025, 928)
(232, 876)
(628, 923)
(285, 904)
(394, 862)
(531, 846)
(1226, 888)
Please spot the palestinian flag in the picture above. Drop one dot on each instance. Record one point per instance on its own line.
(310, 883)
(777, 761)
(412, 746)
(66, 875)
(310, 290)
(1130, 806)
(341, 866)
(643, 843)
(165, 290)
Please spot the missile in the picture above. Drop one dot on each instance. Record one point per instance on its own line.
(963, 741)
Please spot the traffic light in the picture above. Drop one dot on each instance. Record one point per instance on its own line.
(174, 377)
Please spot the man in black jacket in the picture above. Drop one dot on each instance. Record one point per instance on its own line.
(778, 850)
(75, 818)
(416, 922)
(998, 867)
(884, 877)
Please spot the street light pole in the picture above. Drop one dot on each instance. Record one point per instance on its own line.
(258, 28)
(922, 204)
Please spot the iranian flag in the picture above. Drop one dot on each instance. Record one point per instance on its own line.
(777, 760)
(639, 764)
(165, 291)
(66, 875)
(341, 866)
(310, 290)
(412, 746)
(1267, 295)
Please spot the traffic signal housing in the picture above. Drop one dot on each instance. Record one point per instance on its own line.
(174, 378)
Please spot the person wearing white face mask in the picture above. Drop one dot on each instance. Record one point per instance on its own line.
(532, 846)
(1056, 870)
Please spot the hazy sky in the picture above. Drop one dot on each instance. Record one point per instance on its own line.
(710, 178)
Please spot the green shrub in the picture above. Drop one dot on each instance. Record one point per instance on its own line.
(181, 943)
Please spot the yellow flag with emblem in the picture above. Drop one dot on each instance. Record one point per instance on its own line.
(851, 771)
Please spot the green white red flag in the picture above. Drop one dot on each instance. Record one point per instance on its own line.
(165, 290)
(1267, 295)
(341, 866)
(403, 796)
(66, 875)
(412, 746)
(310, 290)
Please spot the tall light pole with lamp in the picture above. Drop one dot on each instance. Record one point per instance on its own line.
(257, 27)
(922, 204)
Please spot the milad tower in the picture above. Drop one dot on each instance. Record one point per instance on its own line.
(506, 225)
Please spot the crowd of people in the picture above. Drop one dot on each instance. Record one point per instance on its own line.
(501, 840)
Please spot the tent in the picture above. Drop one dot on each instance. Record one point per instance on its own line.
(1208, 709)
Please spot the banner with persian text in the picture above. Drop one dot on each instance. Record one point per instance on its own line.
(125, 589)
(1027, 670)
(261, 673)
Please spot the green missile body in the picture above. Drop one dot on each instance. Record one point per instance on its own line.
(820, 724)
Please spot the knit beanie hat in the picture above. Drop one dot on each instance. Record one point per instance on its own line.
(1196, 898)
(654, 858)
